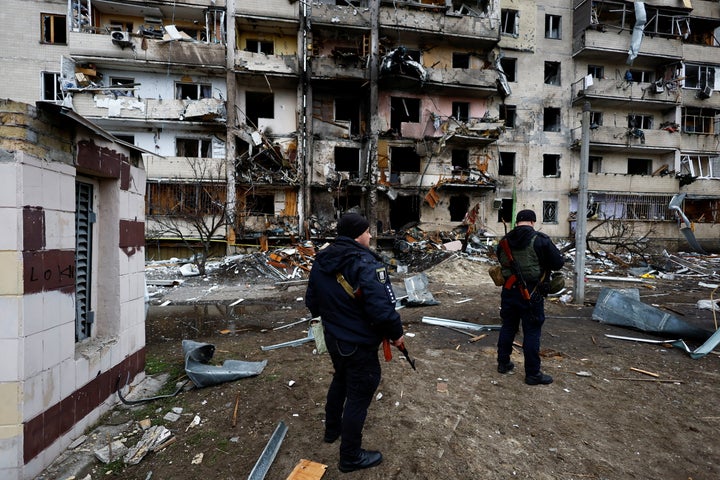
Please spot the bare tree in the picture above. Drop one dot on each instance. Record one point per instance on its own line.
(618, 235)
(191, 207)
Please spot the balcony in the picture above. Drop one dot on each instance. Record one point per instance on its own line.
(615, 92)
(699, 142)
(268, 10)
(95, 106)
(260, 63)
(185, 169)
(344, 17)
(462, 81)
(613, 139)
(338, 69)
(612, 47)
(146, 53)
(624, 184)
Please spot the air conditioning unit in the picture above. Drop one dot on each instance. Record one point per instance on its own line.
(705, 92)
(120, 38)
(497, 203)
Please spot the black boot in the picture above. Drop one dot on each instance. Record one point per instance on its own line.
(538, 379)
(366, 459)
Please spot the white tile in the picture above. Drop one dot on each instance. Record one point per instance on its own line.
(10, 473)
(51, 348)
(32, 313)
(11, 448)
(11, 316)
(33, 355)
(58, 309)
(10, 365)
(10, 219)
(67, 340)
(51, 387)
(9, 185)
(68, 377)
(32, 393)
(31, 186)
(51, 189)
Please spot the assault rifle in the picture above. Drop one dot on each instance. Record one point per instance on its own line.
(517, 274)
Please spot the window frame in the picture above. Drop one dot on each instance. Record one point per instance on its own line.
(510, 22)
(550, 212)
(553, 27)
(53, 22)
(57, 86)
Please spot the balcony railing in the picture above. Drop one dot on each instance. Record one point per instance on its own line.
(614, 138)
(613, 46)
(616, 91)
(94, 105)
(266, 64)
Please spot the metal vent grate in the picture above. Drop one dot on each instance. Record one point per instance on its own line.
(84, 218)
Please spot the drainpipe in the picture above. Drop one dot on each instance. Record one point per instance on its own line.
(231, 113)
(581, 217)
(373, 170)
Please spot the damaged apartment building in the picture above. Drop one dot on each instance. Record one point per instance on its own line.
(266, 119)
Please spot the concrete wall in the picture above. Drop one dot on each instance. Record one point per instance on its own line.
(52, 387)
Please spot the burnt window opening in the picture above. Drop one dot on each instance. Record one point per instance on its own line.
(699, 76)
(702, 210)
(460, 60)
(193, 147)
(198, 34)
(640, 121)
(343, 203)
(403, 110)
(117, 25)
(639, 76)
(507, 163)
(414, 54)
(345, 3)
(461, 111)
(348, 110)
(550, 212)
(259, 46)
(551, 120)
(403, 160)
(348, 160)
(509, 22)
(51, 87)
(192, 91)
(269, 159)
(551, 165)
(508, 114)
(53, 28)
(458, 206)
(596, 71)
(552, 73)
(596, 120)
(639, 166)
(509, 66)
(505, 211)
(258, 105)
(260, 205)
(125, 138)
(404, 210)
(594, 164)
(553, 27)
(460, 160)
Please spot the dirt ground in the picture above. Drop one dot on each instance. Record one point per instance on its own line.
(455, 417)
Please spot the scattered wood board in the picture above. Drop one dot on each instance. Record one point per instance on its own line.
(307, 470)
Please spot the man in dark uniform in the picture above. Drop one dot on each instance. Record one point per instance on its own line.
(536, 256)
(350, 290)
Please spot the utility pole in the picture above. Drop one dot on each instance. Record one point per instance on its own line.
(581, 217)
(304, 105)
(230, 92)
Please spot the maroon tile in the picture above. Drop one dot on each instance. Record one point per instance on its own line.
(51, 427)
(32, 438)
(67, 413)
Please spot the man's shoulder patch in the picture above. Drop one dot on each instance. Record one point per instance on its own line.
(381, 274)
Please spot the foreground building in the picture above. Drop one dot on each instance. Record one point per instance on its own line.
(72, 289)
(275, 115)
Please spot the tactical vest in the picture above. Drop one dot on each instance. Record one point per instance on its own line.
(528, 261)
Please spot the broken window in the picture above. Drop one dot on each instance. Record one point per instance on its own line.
(594, 164)
(460, 60)
(53, 28)
(403, 110)
(550, 212)
(115, 81)
(597, 71)
(505, 212)
(552, 73)
(507, 113)
(403, 160)
(259, 46)
(507, 163)
(642, 206)
(404, 210)
(347, 160)
(700, 120)
(701, 210)
(700, 166)
(192, 91)
(458, 206)
(509, 22)
(184, 198)
(461, 111)
(193, 147)
(699, 76)
(51, 87)
(551, 165)
(509, 66)
(639, 166)
(260, 205)
(125, 138)
(640, 76)
(640, 121)
(553, 28)
(460, 160)
(348, 110)
(258, 105)
(596, 120)
(120, 26)
(551, 119)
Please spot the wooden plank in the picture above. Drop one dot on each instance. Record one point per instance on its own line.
(307, 470)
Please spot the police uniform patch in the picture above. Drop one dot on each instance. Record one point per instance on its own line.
(381, 274)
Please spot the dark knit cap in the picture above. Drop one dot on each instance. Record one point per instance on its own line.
(525, 216)
(352, 225)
